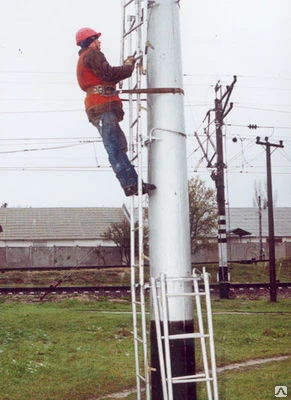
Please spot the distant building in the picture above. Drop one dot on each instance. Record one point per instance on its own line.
(52, 237)
(47, 237)
(243, 233)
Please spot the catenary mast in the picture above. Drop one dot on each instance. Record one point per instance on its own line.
(168, 205)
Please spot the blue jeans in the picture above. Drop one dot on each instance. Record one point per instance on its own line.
(115, 144)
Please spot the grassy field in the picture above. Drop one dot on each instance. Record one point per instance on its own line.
(259, 272)
(83, 350)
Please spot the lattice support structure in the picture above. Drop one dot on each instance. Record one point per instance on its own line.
(162, 294)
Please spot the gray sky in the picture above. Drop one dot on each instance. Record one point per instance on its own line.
(47, 157)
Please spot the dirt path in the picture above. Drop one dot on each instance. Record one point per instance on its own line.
(249, 363)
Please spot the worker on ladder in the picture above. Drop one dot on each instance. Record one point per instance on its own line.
(104, 107)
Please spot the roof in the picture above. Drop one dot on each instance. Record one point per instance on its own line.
(57, 223)
(240, 232)
(247, 219)
(92, 222)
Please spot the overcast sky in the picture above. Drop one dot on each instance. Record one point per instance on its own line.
(47, 158)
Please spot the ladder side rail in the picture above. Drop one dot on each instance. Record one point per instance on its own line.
(124, 32)
(143, 313)
(211, 334)
(134, 317)
(122, 38)
(133, 266)
(140, 206)
(156, 307)
(134, 31)
(124, 6)
(165, 321)
(142, 297)
(136, 338)
(130, 32)
(202, 339)
(139, 38)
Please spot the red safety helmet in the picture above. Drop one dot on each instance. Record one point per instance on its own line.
(85, 33)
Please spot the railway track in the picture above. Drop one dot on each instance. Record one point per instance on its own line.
(125, 290)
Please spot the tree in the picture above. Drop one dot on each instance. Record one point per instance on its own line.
(260, 200)
(203, 214)
(260, 195)
(119, 233)
(203, 221)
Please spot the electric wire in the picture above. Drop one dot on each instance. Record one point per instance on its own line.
(41, 111)
(260, 126)
(48, 148)
(264, 109)
(54, 138)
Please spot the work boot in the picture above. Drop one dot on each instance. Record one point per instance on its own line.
(132, 190)
(129, 190)
(147, 187)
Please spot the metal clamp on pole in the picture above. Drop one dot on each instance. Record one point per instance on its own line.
(152, 91)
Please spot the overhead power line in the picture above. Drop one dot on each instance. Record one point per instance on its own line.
(260, 126)
(41, 111)
(46, 148)
(264, 109)
(25, 139)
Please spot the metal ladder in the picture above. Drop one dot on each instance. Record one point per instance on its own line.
(133, 33)
(161, 293)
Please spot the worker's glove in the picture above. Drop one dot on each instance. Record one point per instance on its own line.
(130, 61)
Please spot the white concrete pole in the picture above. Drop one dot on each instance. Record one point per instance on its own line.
(169, 205)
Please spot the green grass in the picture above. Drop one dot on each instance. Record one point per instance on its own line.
(63, 351)
(76, 350)
(255, 383)
(249, 273)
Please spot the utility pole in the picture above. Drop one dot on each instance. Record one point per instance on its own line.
(169, 230)
(272, 258)
(221, 112)
(260, 228)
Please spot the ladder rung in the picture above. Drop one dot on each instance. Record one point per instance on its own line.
(134, 122)
(137, 265)
(193, 335)
(191, 378)
(138, 303)
(140, 340)
(141, 377)
(186, 294)
(132, 30)
(128, 3)
(134, 158)
(183, 279)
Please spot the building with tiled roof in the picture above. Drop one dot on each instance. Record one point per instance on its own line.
(56, 237)
(55, 225)
(244, 239)
(248, 220)
(74, 236)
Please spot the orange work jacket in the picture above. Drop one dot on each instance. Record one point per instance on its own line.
(93, 69)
